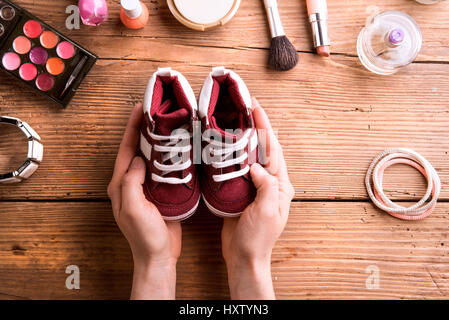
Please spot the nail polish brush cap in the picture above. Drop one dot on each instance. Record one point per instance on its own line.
(132, 8)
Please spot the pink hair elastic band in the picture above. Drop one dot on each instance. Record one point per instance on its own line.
(423, 207)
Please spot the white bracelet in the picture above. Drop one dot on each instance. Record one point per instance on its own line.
(425, 206)
(35, 152)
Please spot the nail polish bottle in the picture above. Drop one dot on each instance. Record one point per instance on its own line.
(134, 14)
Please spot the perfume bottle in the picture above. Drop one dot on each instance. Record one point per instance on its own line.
(391, 41)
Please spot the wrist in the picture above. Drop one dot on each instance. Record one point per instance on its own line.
(154, 279)
(154, 262)
(248, 263)
(250, 278)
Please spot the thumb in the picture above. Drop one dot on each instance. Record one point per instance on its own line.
(133, 180)
(267, 186)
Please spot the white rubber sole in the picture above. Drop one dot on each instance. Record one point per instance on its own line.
(185, 215)
(219, 213)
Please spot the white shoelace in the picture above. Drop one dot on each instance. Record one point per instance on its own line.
(224, 152)
(169, 150)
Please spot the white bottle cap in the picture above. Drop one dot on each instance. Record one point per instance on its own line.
(133, 8)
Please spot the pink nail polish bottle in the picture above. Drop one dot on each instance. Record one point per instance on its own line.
(134, 14)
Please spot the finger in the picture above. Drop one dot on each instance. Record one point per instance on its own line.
(267, 188)
(128, 146)
(282, 171)
(267, 140)
(122, 162)
(284, 205)
(261, 119)
(125, 154)
(132, 181)
(115, 196)
(140, 211)
(276, 165)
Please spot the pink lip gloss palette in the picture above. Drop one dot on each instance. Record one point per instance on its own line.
(39, 56)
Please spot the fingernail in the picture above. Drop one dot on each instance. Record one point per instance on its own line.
(257, 168)
(137, 163)
(255, 103)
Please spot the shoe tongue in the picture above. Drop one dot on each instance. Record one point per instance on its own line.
(167, 120)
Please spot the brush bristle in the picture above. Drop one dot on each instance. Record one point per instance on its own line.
(283, 55)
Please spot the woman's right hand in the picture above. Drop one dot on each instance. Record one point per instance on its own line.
(247, 241)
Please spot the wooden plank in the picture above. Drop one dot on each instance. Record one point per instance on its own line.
(328, 247)
(323, 253)
(332, 119)
(248, 29)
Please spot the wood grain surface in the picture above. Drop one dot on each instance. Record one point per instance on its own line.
(323, 253)
(332, 118)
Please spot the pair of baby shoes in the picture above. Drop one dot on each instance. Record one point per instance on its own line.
(193, 149)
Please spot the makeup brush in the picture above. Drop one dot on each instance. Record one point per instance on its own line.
(283, 55)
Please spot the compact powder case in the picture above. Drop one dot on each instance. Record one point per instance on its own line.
(41, 57)
(202, 15)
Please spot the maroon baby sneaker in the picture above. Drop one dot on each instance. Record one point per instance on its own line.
(170, 108)
(229, 141)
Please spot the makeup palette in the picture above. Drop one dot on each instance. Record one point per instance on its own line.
(40, 56)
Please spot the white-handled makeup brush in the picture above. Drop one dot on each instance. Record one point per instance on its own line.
(283, 55)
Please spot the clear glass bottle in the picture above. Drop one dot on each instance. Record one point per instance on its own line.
(389, 42)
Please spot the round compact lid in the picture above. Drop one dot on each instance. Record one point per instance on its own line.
(203, 14)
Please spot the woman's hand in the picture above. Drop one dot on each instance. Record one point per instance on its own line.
(247, 242)
(155, 244)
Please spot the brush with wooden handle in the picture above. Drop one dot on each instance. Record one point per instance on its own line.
(283, 55)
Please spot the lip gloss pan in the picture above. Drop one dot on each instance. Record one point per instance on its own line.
(11, 61)
(21, 45)
(28, 71)
(65, 50)
(38, 55)
(55, 66)
(45, 82)
(32, 29)
(49, 39)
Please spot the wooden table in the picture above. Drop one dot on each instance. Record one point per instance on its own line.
(332, 118)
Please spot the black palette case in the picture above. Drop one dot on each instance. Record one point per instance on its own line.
(12, 21)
